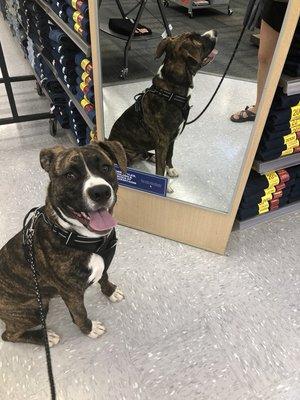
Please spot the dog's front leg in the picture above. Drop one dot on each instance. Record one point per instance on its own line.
(78, 312)
(110, 290)
(171, 171)
(160, 159)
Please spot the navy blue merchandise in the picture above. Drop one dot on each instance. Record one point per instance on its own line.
(265, 194)
(81, 6)
(292, 63)
(283, 120)
(45, 44)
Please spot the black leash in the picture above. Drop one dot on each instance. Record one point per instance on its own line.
(104, 246)
(28, 237)
(222, 79)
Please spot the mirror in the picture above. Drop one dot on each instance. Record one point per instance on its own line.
(208, 154)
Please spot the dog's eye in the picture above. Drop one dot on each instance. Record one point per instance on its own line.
(105, 168)
(70, 175)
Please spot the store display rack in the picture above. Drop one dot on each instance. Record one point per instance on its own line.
(266, 217)
(289, 84)
(191, 5)
(290, 87)
(71, 96)
(84, 115)
(88, 50)
(75, 37)
(262, 167)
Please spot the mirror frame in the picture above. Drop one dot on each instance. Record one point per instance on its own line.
(174, 219)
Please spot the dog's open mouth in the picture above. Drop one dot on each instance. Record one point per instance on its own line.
(100, 221)
(210, 57)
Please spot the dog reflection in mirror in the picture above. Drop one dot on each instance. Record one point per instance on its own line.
(157, 117)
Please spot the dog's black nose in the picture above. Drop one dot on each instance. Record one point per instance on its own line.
(99, 192)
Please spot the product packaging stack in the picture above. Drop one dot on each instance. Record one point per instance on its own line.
(295, 190)
(75, 14)
(85, 85)
(91, 135)
(292, 63)
(46, 43)
(78, 125)
(266, 193)
(10, 10)
(59, 99)
(63, 57)
(282, 130)
(35, 23)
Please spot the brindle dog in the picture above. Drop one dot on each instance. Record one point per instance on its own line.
(81, 196)
(157, 124)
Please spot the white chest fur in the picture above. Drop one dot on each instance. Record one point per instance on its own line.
(96, 266)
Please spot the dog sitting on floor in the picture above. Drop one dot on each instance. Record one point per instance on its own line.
(155, 120)
(74, 242)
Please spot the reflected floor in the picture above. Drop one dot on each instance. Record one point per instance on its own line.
(209, 153)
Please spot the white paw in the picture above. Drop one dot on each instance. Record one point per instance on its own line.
(117, 296)
(53, 338)
(170, 189)
(97, 330)
(172, 172)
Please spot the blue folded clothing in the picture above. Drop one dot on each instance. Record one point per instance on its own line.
(81, 6)
(60, 11)
(281, 100)
(292, 68)
(84, 33)
(279, 117)
(78, 18)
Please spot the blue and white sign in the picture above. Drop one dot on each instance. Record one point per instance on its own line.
(149, 183)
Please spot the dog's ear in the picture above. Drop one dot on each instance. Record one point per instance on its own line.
(48, 155)
(162, 47)
(193, 59)
(116, 153)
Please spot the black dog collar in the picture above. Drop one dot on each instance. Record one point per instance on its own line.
(72, 239)
(169, 96)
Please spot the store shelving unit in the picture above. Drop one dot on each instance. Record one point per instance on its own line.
(92, 51)
(71, 96)
(77, 39)
(191, 6)
(262, 167)
(269, 216)
(290, 85)
(84, 115)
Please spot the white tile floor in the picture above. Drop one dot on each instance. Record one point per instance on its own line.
(194, 325)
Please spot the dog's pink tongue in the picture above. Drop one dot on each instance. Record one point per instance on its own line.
(101, 220)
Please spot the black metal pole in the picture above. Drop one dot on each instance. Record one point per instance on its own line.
(7, 84)
(21, 78)
(164, 18)
(136, 22)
